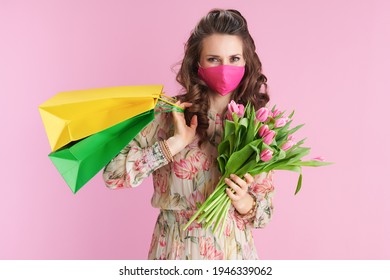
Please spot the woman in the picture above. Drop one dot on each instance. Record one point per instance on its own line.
(180, 149)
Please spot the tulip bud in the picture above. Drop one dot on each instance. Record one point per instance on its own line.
(291, 137)
(263, 130)
(319, 158)
(241, 110)
(269, 136)
(233, 107)
(276, 113)
(262, 114)
(281, 122)
(288, 145)
(266, 155)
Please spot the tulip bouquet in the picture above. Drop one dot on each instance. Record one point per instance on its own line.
(253, 142)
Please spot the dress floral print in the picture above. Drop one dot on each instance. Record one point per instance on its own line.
(180, 186)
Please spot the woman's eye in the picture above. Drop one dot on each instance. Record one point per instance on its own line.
(235, 59)
(212, 59)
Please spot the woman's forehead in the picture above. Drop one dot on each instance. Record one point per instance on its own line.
(222, 45)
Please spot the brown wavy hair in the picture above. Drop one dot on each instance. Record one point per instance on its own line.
(253, 86)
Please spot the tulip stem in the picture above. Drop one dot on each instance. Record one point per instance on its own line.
(224, 215)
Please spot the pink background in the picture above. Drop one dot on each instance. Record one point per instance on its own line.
(328, 61)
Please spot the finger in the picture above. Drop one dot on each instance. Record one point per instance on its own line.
(240, 182)
(194, 121)
(184, 104)
(249, 178)
(237, 189)
(231, 195)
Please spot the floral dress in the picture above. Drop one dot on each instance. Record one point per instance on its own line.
(180, 186)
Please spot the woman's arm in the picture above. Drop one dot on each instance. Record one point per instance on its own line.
(263, 189)
(254, 204)
(146, 153)
(139, 158)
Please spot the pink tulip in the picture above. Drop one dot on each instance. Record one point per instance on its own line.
(229, 116)
(241, 110)
(233, 107)
(269, 136)
(266, 155)
(263, 130)
(276, 113)
(288, 145)
(262, 114)
(319, 158)
(291, 137)
(281, 122)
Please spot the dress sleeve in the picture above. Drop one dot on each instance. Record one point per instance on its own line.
(262, 189)
(139, 158)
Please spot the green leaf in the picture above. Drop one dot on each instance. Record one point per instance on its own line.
(247, 168)
(232, 140)
(255, 148)
(229, 128)
(239, 158)
(289, 168)
(248, 108)
(243, 122)
(224, 147)
(221, 164)
(299, 184)
(241, 134)
(300, 142)
(265, 146)
(292, 159)
(282, 132)
(235, 119)
(293, 130)
(251, 129)
(313, 163)
(298, 152)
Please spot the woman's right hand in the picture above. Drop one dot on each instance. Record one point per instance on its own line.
(184, 134)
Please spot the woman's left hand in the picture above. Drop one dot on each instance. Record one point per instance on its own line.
(238, 192)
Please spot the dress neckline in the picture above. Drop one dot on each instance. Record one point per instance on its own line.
(215, 127)
(214, 114)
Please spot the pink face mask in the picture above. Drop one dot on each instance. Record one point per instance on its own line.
(223, 78)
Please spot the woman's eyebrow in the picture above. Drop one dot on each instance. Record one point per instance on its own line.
(214, 55)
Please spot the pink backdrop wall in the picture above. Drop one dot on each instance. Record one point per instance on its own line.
(327, 60)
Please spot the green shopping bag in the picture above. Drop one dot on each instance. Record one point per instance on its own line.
(79, 161)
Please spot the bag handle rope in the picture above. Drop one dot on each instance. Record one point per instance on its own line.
(170, 101)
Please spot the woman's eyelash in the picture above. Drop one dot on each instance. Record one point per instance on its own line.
(232, 59)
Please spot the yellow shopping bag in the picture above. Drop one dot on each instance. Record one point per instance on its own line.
(74, 115)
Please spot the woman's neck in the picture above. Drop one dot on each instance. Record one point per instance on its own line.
(218, 103)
